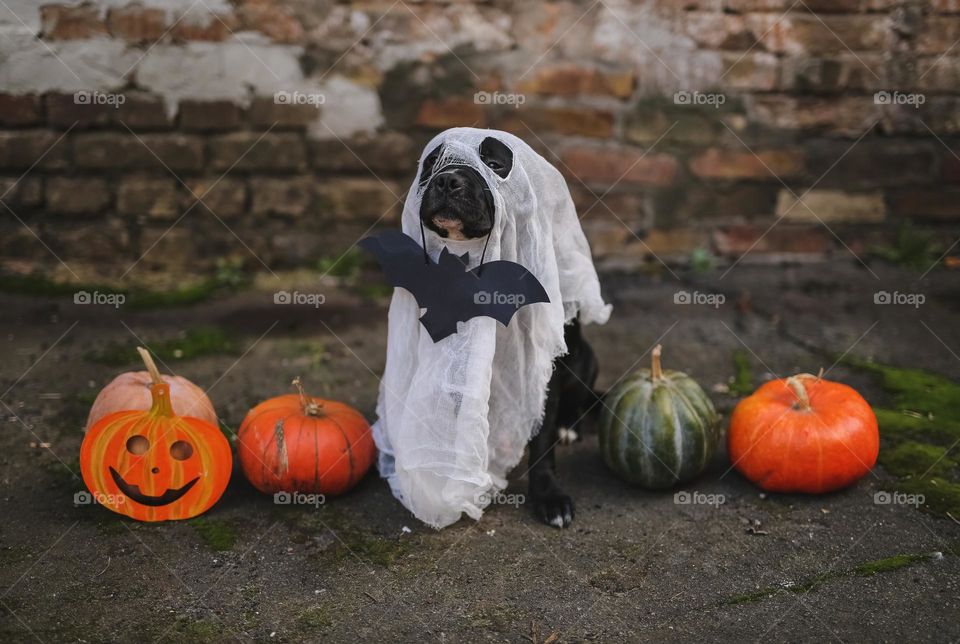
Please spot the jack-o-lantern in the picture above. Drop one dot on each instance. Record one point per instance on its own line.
(153, 465)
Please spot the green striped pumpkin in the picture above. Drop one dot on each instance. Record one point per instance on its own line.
(658, 428)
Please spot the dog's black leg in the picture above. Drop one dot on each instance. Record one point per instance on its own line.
(550, 503)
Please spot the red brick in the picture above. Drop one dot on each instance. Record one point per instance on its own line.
(109, 150)
(290, 197)
(950, 172)
(77, 196)
(387, 152)
(451, 112)
(698, 202)
(647, 124)
(574, 80)
(265, 112)
(147, 197)
(941, 114)
(22, 149)
(804, 240)
(630, 206)
(137, 24)
(576, 121)
(752, 71)
(744, 6)
(66, 110)
(271, 19)
(836, 73)
(178, 152)
(874, 162)
(945, 6)
(20, 109)
(828, 206)
(848, 116)
(806, 34)
(353, 199)
(208, 115)
(938, 73)
(939, 35)
(608, 166)
(224, 196)
(245, 151)
(212, 27)
(142, 112)
(760, 164)
(63, 22)
(932, 204)
(23, 194)
(713, 30)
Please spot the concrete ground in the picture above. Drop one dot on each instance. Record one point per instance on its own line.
(635, 566)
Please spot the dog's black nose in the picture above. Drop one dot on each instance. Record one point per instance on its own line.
(449, 182)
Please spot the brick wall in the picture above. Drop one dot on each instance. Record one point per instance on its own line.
(145, 141)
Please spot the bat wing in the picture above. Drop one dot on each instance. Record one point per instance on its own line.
(502, 287)
(402, 261)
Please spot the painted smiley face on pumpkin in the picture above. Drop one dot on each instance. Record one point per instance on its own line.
(153, 465)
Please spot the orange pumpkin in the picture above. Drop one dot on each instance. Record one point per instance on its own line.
(131, 390)
(154, 465)
(803, 434)
(297, 443)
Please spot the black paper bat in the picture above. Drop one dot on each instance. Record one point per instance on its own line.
(447, 290)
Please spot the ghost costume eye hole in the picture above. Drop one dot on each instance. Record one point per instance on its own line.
(428, 162)
(497, 156)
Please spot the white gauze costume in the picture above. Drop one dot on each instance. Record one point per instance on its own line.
(455, 416)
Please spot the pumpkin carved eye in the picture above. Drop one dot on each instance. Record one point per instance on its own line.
(181, 450)
(138, 445)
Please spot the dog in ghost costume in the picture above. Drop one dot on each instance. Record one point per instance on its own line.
(454, 416)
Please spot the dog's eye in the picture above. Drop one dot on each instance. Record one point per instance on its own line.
(494, 165)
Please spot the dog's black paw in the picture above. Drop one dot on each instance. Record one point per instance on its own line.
(554, 508)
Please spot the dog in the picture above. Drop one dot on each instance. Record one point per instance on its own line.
(457, 205)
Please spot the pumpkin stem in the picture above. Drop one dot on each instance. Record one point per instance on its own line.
(160, 392)
(309, 406)
(151, 366)
(796, 384)
(656, 371)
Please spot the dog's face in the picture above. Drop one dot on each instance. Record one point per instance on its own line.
(457, 203)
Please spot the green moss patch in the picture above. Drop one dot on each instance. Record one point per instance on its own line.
(217, 534)
(742, 383)
(186, 630)
(228, 275)
(913, 248)
(317, 618)
(194, 343)
(346, 266)
(919, 433)
(810, 584)
(350, 542)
